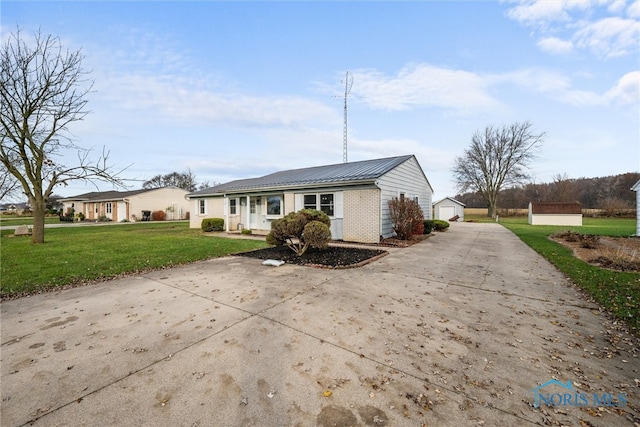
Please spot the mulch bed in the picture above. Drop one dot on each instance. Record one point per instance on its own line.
(331, 257)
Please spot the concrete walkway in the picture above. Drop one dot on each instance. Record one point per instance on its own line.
(458, 330)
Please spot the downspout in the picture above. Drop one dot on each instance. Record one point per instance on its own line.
(225, 209)
(247, 211)
(379, 210)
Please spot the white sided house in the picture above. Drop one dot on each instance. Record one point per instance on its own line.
(449, 209)
(129, 205)
(636, 188)
(555, 213)
(355, 195)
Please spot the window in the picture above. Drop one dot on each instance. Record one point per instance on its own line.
(326, 204)
(252, 206)
(274, 205)
(310, 201)
(402, 197)
(321, 202)
(108, 207)
(202, 207)
(233, 206)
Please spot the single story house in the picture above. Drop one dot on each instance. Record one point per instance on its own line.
(555, 213)
(636, 188)
(447, 209)
(128, 205)
(355, 195)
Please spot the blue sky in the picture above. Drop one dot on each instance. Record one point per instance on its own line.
(240, 89)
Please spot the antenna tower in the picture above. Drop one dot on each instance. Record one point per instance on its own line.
(348, 82)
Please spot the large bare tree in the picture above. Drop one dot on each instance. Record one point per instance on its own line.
(43, 90)
(496, 159)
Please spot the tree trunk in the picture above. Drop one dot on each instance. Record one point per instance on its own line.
(37, 236)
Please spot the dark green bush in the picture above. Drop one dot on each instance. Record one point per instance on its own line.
(290, 230)
(428, 226)
(440, 225)
(212, 224)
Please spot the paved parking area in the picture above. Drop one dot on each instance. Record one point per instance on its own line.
(457, 330)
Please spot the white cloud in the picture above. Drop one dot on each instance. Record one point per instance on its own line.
(423, 85)
(627, 90)
(555, 46)
(598, 27)
(609, 37)
(633, 11)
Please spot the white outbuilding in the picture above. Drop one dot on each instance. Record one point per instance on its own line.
(449, 209)
(555, 213)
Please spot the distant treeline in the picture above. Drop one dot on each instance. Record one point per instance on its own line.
(608, 193)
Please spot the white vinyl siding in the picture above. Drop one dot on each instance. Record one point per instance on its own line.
(407, 179)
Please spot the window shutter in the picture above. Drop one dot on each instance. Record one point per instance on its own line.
(339, 202)
(299, 202)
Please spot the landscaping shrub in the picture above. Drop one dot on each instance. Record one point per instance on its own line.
(317, 234)
(158, 215)
(212, 224)
(291, 230)
(406, 217)
(440, 225)
(428, 226)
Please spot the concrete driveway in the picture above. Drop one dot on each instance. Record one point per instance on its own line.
(458, 330)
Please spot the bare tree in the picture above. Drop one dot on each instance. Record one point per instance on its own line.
(495, 160)
(8, 183)
(562, 189)
(43, 90)
(185, 180)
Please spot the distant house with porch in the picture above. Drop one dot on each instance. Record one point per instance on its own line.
(636, 188)
(355, 195)
(129, 205)
(555, 213)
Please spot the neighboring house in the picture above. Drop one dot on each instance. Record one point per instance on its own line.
(636, 188)
(355, 195)
(447, 209)
(555, 213)
(128, 205)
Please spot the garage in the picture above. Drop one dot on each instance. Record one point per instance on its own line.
(449, 209)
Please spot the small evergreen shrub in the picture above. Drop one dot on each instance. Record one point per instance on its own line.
(440, 225)
(245, 231)
(158, 216)
(290, 230)
(428, 226)
(317, 234)
(212, 224)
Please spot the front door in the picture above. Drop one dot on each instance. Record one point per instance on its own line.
(255, 211)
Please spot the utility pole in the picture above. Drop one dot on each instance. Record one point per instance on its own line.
(348, 82)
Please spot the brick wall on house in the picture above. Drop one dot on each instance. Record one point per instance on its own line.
(361, 216)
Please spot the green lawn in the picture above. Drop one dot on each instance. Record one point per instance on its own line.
(618, 292)
(73, 255)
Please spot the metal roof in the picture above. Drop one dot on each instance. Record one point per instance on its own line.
(353, 172)
(556, 208)
(101, 196)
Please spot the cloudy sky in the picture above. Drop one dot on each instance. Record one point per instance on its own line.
(241, 89)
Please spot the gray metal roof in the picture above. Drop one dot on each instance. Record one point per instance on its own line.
(352, 172)
(101, 196)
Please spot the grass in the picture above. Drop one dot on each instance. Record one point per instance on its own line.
(617, 292)
(74, 255)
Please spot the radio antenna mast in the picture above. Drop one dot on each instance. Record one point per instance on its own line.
(348, 82)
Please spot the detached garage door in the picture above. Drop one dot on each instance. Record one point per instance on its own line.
(447, 212)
